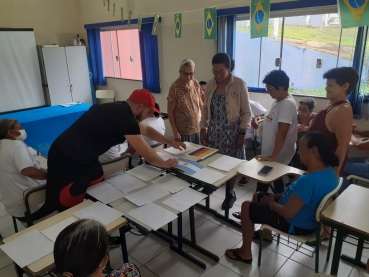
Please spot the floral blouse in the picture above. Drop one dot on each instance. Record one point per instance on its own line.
(126, 270)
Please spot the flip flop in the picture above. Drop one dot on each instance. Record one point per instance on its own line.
(257, 236)
(237, 215)
(237, 257)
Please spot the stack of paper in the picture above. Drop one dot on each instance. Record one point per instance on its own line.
(147, 195)
(145, 172)
(126, 183)
(185, 199)
(53, 232)
(208, 176)
(226, 163)
(105, 192)
(152, 215)
(99, 212)
(28, 248)
(171, 183)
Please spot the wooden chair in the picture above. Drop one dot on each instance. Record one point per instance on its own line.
(315, 237)
(32, 197)
(116, 165)
(105, 94)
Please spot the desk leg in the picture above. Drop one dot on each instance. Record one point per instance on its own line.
(170, 228)
(207, 202)
(179, 248)
(359, 251)
(227, 191)
(18, 270)
(124, 245)
(337, 252)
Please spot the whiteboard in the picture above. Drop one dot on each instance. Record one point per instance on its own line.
(20, 79)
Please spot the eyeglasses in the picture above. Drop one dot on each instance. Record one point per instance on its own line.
(269, 89)
(302, 110)
(220, 72)
(185, 74)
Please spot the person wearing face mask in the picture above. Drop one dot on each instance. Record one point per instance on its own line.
(185, 104)
(73, 163)
(18, 169)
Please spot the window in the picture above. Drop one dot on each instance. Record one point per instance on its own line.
(121, 54)
(311, 45)
(364, 82)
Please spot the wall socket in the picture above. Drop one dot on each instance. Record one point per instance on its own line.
(319, 63)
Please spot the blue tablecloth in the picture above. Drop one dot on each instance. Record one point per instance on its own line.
(44, 125)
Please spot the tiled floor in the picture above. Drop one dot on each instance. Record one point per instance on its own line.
(154, 257)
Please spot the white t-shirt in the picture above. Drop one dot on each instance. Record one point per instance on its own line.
(111, 154)
(256, 110)
(14, 157)
(158, 125)
(285, 112)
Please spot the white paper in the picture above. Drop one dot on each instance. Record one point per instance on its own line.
(165, 156)
(171, 183)
(105, 192)
(52, 232)
(147, 195)
(174, 151)
(184, 199)
(152, 215)
(99, 212)
(208, 176)
(226, 163)
(28, 248)
(145, 172)
(126, 183)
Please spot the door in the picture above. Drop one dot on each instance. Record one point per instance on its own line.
(78, 74)
(57, 75)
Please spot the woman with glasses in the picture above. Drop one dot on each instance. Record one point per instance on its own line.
(185, 104)
(226, 114)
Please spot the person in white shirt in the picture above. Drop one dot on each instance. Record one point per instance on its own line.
(18, 169)
(111, 154)
(153, 121)
(279, 126)
(257, 113)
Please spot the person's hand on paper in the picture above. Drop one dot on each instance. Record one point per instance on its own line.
(178, 145)
(170, 163)
(265, 158)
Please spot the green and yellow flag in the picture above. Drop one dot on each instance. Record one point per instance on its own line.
(210, 23)
(259, 12)
(178, 25)
(353, 13)
(155, 25)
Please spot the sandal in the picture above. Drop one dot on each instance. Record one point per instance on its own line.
(257, 236)
(237, 215)
(237, 257)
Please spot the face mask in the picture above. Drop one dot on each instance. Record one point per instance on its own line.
(22, 136)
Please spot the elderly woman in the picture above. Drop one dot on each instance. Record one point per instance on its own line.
(226, 114)
(185, 104)
(81, 250)
(18, 169)
(294, 210)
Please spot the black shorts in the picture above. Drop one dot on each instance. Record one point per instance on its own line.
(262, 214)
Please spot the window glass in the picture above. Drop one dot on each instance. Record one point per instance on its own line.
(364, 82)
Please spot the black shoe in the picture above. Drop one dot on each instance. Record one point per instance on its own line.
(243, 182)
(229, 201)
(114, 241)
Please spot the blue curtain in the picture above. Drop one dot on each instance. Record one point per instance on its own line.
(355, 98)
(92, 87)
(227, 35)
(149, 59)
(94, 43)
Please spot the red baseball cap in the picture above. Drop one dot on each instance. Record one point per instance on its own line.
(144, 97)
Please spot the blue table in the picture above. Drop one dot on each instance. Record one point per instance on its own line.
(44, 125)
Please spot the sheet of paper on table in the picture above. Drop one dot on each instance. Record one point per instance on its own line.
(99, 212)
(189, 148)
(28, 248)
(145, 172)
(126, 183)
(152, 215)
(171, 183)
(52, 232)
(165, 156)
(202, 152)
(147, 195)
(208, 176)
(105, 192)
(185, 199)
(226, 163)
(188, 166)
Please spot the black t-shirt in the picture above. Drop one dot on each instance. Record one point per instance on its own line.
(97, 130)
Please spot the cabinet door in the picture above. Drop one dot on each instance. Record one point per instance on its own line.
(78, 73)
(57, 75)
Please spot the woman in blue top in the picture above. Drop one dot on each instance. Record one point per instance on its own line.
(294, 210)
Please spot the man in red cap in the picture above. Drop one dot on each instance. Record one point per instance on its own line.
(73, 163)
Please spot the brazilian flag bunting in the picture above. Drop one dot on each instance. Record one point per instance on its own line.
(259, 13)
(210, 23)
(178, 25)
(353, 13)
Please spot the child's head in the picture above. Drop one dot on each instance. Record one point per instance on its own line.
(81, 249)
